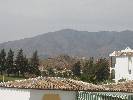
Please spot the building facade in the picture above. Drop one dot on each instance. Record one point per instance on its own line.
(54, 88)
(44, 88)
(122, 64)
(34, 94)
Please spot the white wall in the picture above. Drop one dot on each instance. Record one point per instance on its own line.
(14, 94)
(64, 95)
(26, 94)
(122, 66)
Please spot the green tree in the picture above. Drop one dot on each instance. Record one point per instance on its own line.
(51, 71)
(34, 64)
(102, 73)
(26, 66)
(89, 70)
(19, 62)
(2, 61)
(10, 62)
(76, 69)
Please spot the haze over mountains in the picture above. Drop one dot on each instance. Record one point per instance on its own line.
(74, 43)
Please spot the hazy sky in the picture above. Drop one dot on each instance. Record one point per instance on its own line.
(26, 18)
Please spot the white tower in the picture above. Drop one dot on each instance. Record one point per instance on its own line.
(123, 67)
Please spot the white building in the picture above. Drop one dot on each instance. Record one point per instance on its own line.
(35, 94)
(122, 66)
(54, 88)
(43, 88)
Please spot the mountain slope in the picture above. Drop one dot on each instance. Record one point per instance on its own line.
(75, 43)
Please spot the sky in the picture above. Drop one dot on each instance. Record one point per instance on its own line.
(28, 18)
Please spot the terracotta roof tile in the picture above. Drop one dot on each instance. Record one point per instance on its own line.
(57, 83)
(48, 83)
(122, 86)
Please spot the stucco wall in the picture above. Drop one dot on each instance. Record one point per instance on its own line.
(64, 95)
(14, 94)
(122, 67)
(26, 94)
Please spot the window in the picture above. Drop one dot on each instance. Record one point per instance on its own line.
(130, 71)
(112, 74)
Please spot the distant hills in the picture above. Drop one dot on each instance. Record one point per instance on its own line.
(74, 43)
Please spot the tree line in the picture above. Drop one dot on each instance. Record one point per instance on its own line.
(18, 65)
(92, 71)
(89, 70)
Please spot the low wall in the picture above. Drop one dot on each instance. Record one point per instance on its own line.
(14, 94)
(57, 95)
(32, 94)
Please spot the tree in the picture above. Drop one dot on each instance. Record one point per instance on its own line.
(76, 69)
(25, 67)
(2, 61)
(88, 66)
(35, 64)
(19, 62)
(102, 73)
(51, 71)
(89, 70)
(10, 62)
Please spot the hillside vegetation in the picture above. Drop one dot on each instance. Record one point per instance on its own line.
(58, 62)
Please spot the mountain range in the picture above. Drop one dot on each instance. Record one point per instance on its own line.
(74, 43)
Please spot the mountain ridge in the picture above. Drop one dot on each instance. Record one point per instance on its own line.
(74, 43)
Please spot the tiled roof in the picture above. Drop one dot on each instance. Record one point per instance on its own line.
(118, 53)
(51, 83)
(120, 87)
(127, 52)
(57, 83)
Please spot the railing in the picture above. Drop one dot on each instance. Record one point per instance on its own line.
(82, 95)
